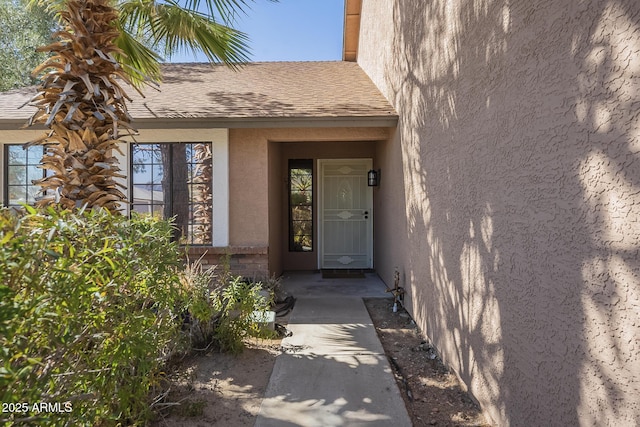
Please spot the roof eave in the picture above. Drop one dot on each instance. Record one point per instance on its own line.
(351, 31)
(387, 121)
(14, 124)
(269, 122)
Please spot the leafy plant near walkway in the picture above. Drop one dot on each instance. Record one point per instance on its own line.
(92, 302)
(222, 309)
(92, 305)
(236, 305)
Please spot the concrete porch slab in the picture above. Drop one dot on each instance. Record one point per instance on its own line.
(330, 309)
(312, 285)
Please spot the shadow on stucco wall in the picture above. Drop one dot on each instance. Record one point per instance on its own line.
(520, 136)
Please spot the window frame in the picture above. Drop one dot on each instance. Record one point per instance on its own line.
(6, 166)
(190, 223)
(309, 165)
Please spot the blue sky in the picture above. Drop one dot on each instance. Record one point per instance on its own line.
(290, 30)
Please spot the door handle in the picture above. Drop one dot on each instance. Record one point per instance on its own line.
(366, 214)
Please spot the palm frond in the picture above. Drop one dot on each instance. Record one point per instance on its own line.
(174, 28)
(152, 28)
(54, 7)
(227, 10)
(182, 29)
(139, 61)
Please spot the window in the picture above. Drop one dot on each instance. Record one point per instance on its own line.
(300, 205)
(175, 180)
(22, 167)
(166, 179)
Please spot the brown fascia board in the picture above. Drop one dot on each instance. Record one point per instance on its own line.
(267, 122)
(17, 125)
(351, 30)
(241, 123)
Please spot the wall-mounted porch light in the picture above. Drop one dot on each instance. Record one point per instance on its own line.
(372, 178)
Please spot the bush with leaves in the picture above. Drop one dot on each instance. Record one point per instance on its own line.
(199, 319)
(222, 309)
(93, 305)
(238, 304)
(90, 304)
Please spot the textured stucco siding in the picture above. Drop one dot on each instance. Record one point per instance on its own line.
(518, 236)
(248, 189)
(257, 180)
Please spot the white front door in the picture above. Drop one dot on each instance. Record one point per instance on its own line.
(345, 214)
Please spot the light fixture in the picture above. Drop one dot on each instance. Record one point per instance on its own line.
(372, 178)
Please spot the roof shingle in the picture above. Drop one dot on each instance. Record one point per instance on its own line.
(269, 90)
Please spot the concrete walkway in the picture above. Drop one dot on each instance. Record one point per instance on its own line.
(333, 372)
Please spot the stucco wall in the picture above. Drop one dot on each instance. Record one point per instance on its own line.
(518, 237)
(257, 173)
(248, 188)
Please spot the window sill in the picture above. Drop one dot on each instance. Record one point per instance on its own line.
(218, 250)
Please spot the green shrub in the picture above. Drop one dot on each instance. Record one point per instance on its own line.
(90, 305)
(94, 305)
(221, 308)
(201, 286)
(236, 303)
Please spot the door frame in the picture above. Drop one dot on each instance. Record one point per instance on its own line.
(368, 162)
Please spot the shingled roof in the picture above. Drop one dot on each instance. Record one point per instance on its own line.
(259, 93)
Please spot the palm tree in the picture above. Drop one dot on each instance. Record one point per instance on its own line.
(81, 99)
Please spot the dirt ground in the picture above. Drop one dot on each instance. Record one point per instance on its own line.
(217, 389)
(432, 394)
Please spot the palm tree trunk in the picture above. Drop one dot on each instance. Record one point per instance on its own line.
(83, 106)
(203, 194)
